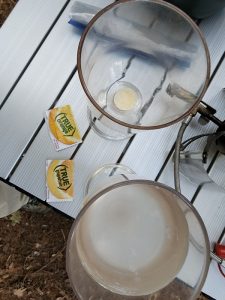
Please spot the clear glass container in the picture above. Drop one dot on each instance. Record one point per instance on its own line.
(143, 64)
(136, 239)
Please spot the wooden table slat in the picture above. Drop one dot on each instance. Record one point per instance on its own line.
(20, 36)
(213, 29)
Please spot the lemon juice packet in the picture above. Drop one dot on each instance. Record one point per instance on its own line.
(63, 128)
(60, 180)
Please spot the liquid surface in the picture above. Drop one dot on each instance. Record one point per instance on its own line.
(125, 99)
(133, 240)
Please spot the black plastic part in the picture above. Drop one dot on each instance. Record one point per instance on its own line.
(199, 9)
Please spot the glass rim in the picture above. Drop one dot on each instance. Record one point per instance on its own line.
(99, 108)
(96, 196)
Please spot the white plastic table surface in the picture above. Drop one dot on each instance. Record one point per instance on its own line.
(38, 71)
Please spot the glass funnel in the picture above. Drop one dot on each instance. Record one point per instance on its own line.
(136, 239)
(143, 64)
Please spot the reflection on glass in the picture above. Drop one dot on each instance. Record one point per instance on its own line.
(143, 65)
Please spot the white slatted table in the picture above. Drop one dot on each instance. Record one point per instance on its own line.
(37, 58)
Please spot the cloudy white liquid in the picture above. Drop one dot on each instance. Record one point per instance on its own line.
(133, 240)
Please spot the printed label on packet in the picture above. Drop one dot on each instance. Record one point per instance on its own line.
(63, 128)
(60, 180)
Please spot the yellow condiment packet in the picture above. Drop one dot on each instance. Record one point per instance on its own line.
(63, 127)
(60, 180)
